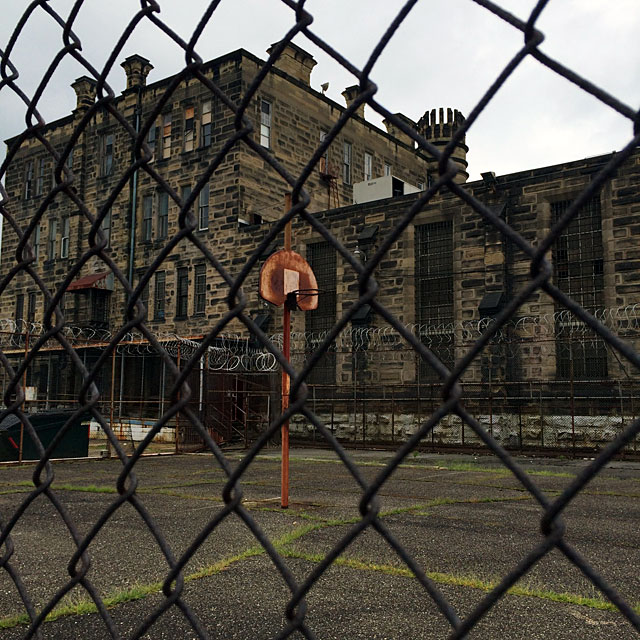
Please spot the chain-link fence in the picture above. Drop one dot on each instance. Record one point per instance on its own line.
(105, 164)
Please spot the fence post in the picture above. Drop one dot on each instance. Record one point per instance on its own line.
(178, 414)
(393, 416)
(573, 420)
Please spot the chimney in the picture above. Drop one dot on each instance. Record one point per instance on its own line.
(399, 134)
(137, 69)
(350, 94)
(85, 88)
(295, 62)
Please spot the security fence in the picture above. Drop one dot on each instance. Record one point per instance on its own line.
(449, 404)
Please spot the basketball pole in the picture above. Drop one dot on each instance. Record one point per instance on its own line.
(286, 383)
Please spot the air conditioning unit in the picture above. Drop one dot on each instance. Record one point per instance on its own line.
(380, 188)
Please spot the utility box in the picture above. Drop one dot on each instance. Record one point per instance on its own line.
(74, 443)
(381, 188)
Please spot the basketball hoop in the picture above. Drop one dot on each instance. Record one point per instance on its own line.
(286, 277)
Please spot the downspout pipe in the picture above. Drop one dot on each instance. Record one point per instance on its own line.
(133, 203)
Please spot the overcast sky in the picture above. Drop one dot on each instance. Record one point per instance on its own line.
(446, 54)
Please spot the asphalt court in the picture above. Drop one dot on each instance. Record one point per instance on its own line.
(465, 521)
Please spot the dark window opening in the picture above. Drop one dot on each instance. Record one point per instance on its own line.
(578, 272)
(434, 293)
(322, 258)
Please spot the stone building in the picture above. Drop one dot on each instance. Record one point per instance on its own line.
(445, 277)
(188, 124)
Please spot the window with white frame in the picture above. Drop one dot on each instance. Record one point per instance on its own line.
(51, 239)
(106, 227)
(69, 160)
(203, 208)
(166, 136)
(189, 129)
(185, 193)
(147, 217)
(346, 163)
(205, 125)
(28, 179)
(368, 165)
(387, 169)
(182, 292)
(152, 139)
(106, 154)
(64, 239)
(265, 123)
(40, 177)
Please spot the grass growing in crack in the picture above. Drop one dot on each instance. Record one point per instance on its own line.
(443, 466)
(468, 581)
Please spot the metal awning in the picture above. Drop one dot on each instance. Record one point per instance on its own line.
(102, 280)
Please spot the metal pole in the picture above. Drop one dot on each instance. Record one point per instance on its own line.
(178, 414)
(286, 383)
(573, 420)
(113, 383)
(24, 387)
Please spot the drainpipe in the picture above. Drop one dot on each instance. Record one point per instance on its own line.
(132, 236)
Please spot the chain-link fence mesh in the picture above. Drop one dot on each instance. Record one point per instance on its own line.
(140, 137)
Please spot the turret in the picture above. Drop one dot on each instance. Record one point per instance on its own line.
(439, 130)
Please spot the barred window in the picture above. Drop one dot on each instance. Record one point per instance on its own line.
(205, 125)
(346, 163)
(159, 295)
(147, 217)
(182, 296)
(434, 292)
(19, 316)
(199, 300)
(99, 301)
(64, 240)
(163, 214)
(265, 123)
(322, 258)
(106, 154)
(578, 270)
(31, 307)
(189, 129)
(203, 208)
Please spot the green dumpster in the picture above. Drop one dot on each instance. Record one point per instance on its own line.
(74, 443)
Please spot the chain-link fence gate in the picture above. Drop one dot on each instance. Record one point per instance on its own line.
(143, 135)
